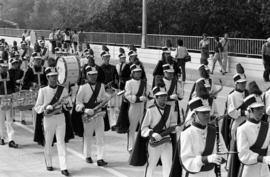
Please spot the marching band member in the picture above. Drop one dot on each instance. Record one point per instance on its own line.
(44, 51)
(35, 75)
(91, 63)
(158, 72)
(236, 111)
(123, 69)
(111, 81)
(175, 90)
(157, 120)
(34, 78)
(253, 141)
(136, 95)
(17, 74)
(199, 152)
(7, 87)
(133, 59)
(205, 79)
(236, 108)
(89, 96)
(51, 101)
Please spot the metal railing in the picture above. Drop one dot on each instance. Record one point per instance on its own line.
(237, 46)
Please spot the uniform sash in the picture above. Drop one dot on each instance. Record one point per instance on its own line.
(140, 91)
(57, 95)
(257, 146)
(209, 146)
(171, 89)
(158, 128)
(92, 101)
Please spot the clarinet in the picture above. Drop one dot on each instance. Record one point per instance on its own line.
(217, 167)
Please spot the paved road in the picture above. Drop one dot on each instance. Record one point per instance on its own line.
(28, 161)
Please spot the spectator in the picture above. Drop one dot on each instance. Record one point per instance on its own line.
(59, 38)
(81, 40)
(181, 53)
(67, 39)
(52, 39)
(225, 50)
(204, 46)
(266, 60)
(218, 56)
(75, 40)
(169, 45)
(25, 33)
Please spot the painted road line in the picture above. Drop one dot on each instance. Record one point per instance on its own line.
(75, 153)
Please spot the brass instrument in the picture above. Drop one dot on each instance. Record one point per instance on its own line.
(165, 138)
(97, 110)
(57, 107)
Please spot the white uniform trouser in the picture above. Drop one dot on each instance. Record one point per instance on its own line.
(55, 125)
(163, 151)
(96, 125)
(6, 118)
(135, 114)
(114, 108)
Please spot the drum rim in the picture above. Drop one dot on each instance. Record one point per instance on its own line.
(79, 66)
(65, 79)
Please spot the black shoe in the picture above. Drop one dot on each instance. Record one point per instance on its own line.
(65, 172)
(23, 122)
(50, 168)
(101, 162)
(113, 128)
(89, 160)
(2, 142)
(12, 144)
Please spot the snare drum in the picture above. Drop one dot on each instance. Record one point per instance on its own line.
(24, 100)
(68, 68)
(5, 102)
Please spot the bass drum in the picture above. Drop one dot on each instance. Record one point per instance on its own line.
(68, 68)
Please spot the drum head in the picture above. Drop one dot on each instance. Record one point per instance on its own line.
(61, 67)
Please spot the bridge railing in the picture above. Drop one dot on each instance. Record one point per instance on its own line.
(237, 46)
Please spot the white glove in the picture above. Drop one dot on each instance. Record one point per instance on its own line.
(142, 98)
(79, 107)
(179, 128)
(214, 158)
(156, 136)
(266, 160)
(174, 97)
(49, 107)
(90, 112)
(133, 98)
